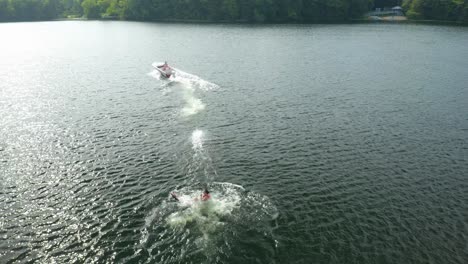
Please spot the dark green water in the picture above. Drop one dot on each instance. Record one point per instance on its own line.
(321, 144)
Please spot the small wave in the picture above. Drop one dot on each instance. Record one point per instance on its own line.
(230, 185)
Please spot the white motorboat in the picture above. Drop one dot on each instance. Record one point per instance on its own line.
(164, 69)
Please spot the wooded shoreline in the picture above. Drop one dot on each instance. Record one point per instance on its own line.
(228, 11)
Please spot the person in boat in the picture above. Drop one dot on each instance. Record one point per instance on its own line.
(165, 66)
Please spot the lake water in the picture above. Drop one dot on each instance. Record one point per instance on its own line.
(319, 143)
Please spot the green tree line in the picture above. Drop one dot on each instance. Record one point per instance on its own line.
(453, 10)
(203, 10)
(31, 10)
(226, 10)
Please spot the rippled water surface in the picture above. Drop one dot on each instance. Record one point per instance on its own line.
(320, 143)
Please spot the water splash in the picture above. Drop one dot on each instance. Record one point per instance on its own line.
(193, 105)
(197, 140)
(208, 229)
(200, 168)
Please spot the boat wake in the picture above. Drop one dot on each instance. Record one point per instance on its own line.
(233, 223)
(188, 85)
(200, 169)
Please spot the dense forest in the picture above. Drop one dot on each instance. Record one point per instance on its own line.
(207, 10)
(226, 10)
(455, 10)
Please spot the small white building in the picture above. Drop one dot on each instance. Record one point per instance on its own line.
(397, 11)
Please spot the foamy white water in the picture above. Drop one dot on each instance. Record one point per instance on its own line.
(196, 81)
(197, 140)
(229, 206)
(193, 105)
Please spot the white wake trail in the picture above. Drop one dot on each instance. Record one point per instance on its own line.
(195, 81)
(197, 140)
(188, 84)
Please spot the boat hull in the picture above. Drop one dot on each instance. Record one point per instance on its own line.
(165, 73)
